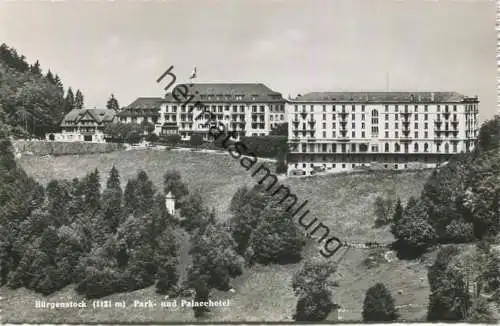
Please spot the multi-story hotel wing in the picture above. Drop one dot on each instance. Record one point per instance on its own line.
(340, 131)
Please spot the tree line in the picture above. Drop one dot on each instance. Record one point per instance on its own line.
(32, 103)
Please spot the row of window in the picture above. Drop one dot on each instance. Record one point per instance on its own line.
(375, 134)
(375, 117)
(386, 125)
(386, 107)
(345, 165)
(363, 148)
(219, 108)
(229, 97)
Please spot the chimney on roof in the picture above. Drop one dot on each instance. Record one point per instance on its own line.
(432, 96)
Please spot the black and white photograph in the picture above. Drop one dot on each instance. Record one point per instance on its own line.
(249, 161)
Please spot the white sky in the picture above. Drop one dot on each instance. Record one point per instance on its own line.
(122, 47)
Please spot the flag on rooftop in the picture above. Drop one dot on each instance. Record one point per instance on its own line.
(193, 74)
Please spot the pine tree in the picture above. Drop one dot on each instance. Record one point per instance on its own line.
(144, 193)
(167, 261)
(112, 200)
(69, 100)
(129, 199)
(379, 305)
(58, 82)
(413, 231)
(79, 100)
(92, 191)
(35, 69)
(50, 77)
(113, 104)
(194, 212)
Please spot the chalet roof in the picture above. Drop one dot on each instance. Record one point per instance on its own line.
(228, 92)
(99, 116)
(382, 97)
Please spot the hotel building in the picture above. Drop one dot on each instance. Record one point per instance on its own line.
(248, 109)
(84, 125)
(341, 131)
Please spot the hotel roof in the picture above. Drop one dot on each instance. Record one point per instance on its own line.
(228, 92)
(383, 97)
(145, 103)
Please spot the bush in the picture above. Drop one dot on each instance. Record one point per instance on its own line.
(173, 139)
(215, 259)
(277, 239)
(379, 305)
(413, 231)
(311, 284)
(314, 306)
(266, 146)
(98, 283)
(196, 140)
(459, 231)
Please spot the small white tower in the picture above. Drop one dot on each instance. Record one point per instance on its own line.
(170, 203)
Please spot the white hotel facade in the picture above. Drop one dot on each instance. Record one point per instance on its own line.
(249, 109)
(341, 131)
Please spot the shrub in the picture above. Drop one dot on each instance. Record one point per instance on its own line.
(314, 306)
(459, 231)
(265, 146)
(277, 238)
(413, 231)
(196, 140)
(379, 305)
(311, 284)
(215, 258)
(173, 139)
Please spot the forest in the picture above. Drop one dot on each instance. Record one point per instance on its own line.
(32, 103)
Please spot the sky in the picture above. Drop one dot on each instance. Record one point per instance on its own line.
(293, 46)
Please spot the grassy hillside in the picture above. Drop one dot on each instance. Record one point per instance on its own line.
(263, 293)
